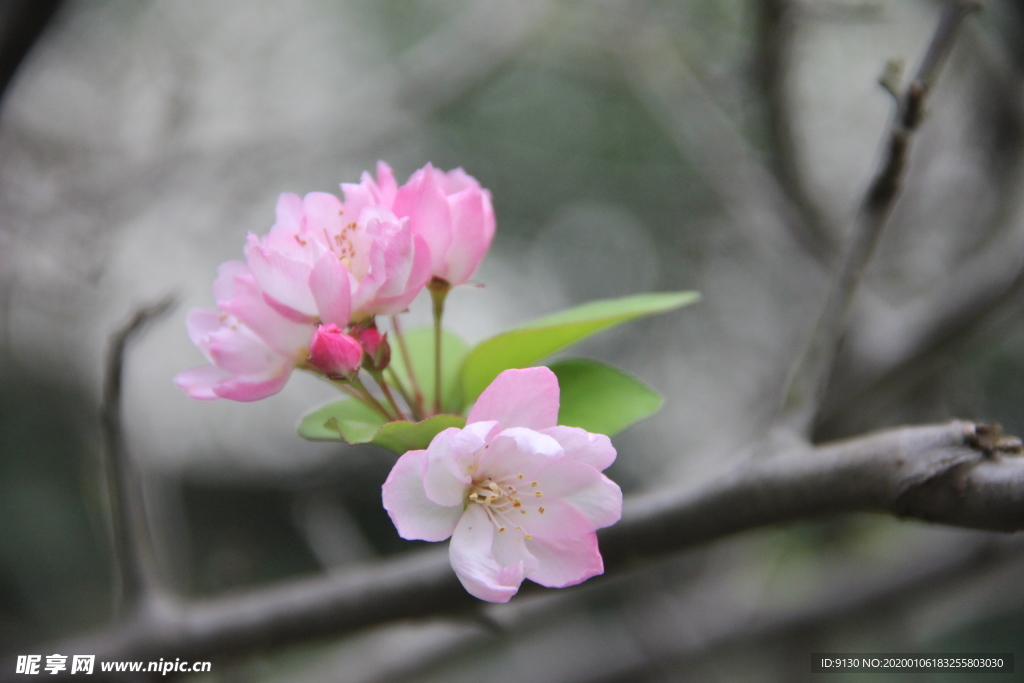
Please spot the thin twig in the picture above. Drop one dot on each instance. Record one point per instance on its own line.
(774, 38)
(804, 390)
(133, 545)
(931, 473)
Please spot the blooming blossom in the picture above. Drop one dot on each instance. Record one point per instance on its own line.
(448, 210)
(323, 259)
(519, 496)
(251, 346)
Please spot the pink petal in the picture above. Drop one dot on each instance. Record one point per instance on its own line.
(252, 389)
(474, 562)
(201, 323)
(289, 213)
(518, 451)
(520, 398)
(415, 517)
(449, 465)
(472, 232)
(199, 382)
(565, 561)
(283, 279)
(595, 450)
(427, 209)
(386, 185)
(329, 284)
(239, 351)
(247, 303)
(596, 496)
(323, 213)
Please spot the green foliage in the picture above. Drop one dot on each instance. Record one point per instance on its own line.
(346, 420)
(354, 422)
(410, 436)
(527, 344)
(420, 343)
(600, 398)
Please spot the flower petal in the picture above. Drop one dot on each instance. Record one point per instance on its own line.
(252, 388)
(199, 382)
(520, 398)
(329, 284)
(472, 232)
(580, 445)
(518, 452)
(449, 463)
(596, 496)
(415, 517)
(565, 561)
(474, 562)
(283, 279)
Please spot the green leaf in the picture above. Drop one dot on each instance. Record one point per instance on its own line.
(527, 344)
(345, 420)
(409, 436)
(354, 422)
(420, 343)
(600, 398)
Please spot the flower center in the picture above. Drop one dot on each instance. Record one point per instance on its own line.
(501, 499)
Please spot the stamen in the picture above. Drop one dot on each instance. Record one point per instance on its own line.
(540, 510)
(528, 537)
(538, 493)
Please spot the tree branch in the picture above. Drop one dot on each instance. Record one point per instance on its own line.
(774, 33)
(809, 378)
(951, 474)
(133, 547)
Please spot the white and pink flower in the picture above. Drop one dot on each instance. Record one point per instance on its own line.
(520, 497)
(449, 210)
(251, 346)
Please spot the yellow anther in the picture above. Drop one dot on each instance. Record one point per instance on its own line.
(534, 483)
(527, 537)
(540, 510)
(520, 476)
(501, 529)
(538, 493)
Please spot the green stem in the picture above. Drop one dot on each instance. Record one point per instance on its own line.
(370, 400)
(438, 291)
(417, 405)
(378, 377)
(393, 378)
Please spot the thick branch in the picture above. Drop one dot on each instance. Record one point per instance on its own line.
(132, 543)
(803, 394)
(931, 473)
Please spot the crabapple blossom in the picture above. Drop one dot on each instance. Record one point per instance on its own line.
(448, 210)
(335, 353)
(324, 261)
(252, 347)
(519, 496)
(376, 347)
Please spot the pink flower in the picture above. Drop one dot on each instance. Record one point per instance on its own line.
(449, 211)
(519, 496)
(324, 261)
(252, 347)
(335, 353)
(376, 346)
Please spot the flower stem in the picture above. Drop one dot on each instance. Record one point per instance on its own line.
(417, 404)
(370, 400)
(394, 379)
(378, 377)
(438, 291)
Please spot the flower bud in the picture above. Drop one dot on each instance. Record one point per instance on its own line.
(335, 353)
(376, 348)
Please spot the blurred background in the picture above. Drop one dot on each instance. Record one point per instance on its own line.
(718, 145)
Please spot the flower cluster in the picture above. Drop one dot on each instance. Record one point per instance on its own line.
(328, 266)
(519, 496)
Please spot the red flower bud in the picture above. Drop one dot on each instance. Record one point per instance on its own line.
(376, 347)
(335, 353)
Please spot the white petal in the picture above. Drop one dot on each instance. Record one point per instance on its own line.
(415, 517)
(474, 562)
(450, 461)
(586, 489)
(595, 450)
